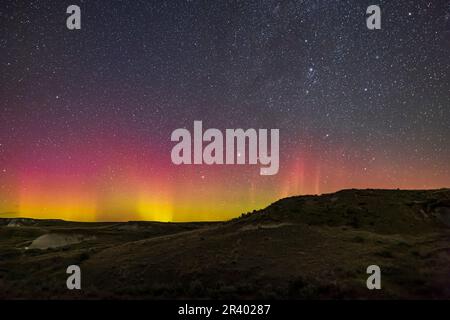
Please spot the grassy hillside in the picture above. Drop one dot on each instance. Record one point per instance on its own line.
(300, 247)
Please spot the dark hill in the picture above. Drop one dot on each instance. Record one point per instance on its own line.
(381, 211)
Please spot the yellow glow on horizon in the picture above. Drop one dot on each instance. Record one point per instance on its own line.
(71, 211)
(155, 208)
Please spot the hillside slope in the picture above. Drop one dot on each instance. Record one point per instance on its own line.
(300, 247)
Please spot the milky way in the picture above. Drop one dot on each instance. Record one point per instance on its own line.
(86, 115)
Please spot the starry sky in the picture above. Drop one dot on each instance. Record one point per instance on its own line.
(86, 115)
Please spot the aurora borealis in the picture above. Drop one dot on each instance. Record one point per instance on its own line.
(86, 115)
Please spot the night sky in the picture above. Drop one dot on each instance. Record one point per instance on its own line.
(86, 115)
